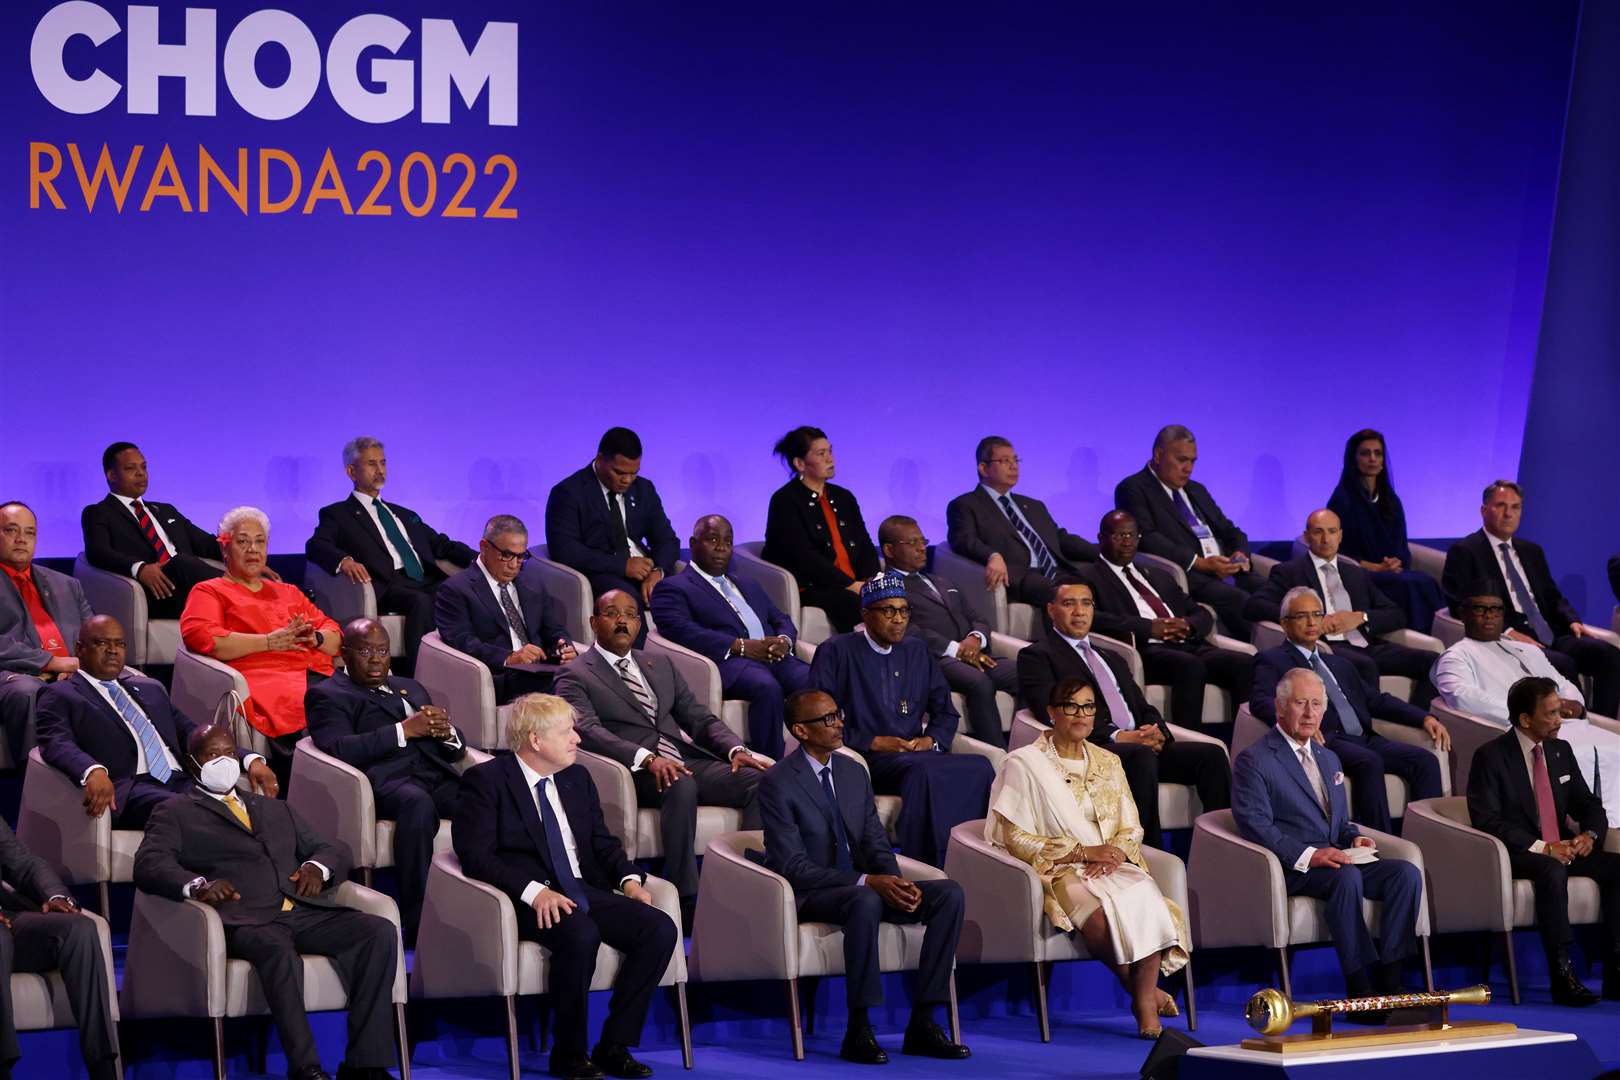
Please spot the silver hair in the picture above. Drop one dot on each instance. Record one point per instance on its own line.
(1285, 685)
(1172, 433)
(233, 518)
(501, 524)
(1290, 596)
(357, 446)
(535, 714)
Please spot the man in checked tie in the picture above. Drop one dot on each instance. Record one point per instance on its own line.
(117, 735)
(1525, 789)
(1288, 796)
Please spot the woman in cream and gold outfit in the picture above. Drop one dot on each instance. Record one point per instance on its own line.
(1061, 805)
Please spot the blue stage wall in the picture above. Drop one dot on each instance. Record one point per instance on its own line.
(911, 224)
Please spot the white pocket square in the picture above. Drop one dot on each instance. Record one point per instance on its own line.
(1338, 778)
(1564, 779)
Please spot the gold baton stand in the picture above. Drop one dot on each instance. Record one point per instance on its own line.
(1271, 1014)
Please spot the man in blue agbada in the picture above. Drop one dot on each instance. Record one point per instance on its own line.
(898, 716)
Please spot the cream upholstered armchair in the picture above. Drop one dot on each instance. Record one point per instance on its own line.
(464, 688)
(82, 849)
(201, 683)
(150, 641)
(572, 591)
(345, 600)
(39, 1000)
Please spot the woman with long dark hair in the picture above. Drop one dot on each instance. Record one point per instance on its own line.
(1374, 523)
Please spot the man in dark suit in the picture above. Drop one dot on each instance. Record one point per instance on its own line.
(1014, 536)
(118, 736)
(635, 708)
(732, 622)
(1126, 723)
(530, 824)
(1180, 521)
(270, 877)
(1288, 796)
(499, 611)
(152, 542)
(1352, 703)
(366, 539)
(1524, 789)
(607, 522)
(41, 612)
(1358, 614)
(388, 728)
(822, 833)
(42, 929)
(956, 633)
(1538, 611)
(1142, 605)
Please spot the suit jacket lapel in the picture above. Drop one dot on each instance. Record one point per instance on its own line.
(90, 694)
(609, 674)
(1297, 771)
(217, 806)
(722, 606)
(369, 527)
(527, 810)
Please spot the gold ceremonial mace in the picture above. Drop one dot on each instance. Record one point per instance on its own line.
(1271, 1013)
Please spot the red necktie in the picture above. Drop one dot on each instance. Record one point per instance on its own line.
(1147, 594)
(144, 520)
(1546, 810)
(50, 635)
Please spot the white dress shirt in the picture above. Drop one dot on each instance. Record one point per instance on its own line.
(1303, 863)
(141, 765)
(530, 779)
(1474, 676)
(1143, 609)
(624, 516)
(1210, 546)
(129, 504)
(511, 590)
(370, 503)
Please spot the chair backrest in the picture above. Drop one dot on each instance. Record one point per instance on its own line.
(1452, 808)
(1025, 730)
(748, 563)
(1166, 565)
(738, 843)
(462, 686)
(1247, 730)
(968, 576)
(572, 591)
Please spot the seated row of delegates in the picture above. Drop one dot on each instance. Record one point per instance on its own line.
(814, 529)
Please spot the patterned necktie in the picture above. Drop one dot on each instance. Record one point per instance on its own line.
(1546, 809)
(513, 619)
(845, 860)
(1348, 720)
(1339, 600)
(1527, 600)
(148, 530)
(649, 705)
(751, 624)
(1044, 562)
(1186, 509)
(1103, 676)
(157, 762)
(557, 851)
(239, 810)
(1150, 597)
(396, 536)
(1307, 761)
(621, 536)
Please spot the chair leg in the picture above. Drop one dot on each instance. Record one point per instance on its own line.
(1192, 995)
(1513, 965)
(1041, 1016)
(686, 1024)
(808, 1001)
(1428, 967)
(219, 1048)
(1282, 969)
(365, 876)
(511, 1037)
(956, 1017)
(404, 1043)
(794, 1018)
(106, 900)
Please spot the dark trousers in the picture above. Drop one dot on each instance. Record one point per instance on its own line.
(1600, 660)
(17, 694)
(185, 571)
(1550, 879)
(1366, 758)
(646, 937)
(413, 600)
(860, 911)
(979, 688)
(511, 685)
(364, 949)
(937, 792)
(1394, 882)
(1200, 765)
(765, 687)
(843, 607)
(145, 795)
(601, 584)
(416, 805)
(712, 783)
(1187, 668)
(1227, 597)
(69, 943)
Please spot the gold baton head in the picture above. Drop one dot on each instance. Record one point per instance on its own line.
(1269, 1012)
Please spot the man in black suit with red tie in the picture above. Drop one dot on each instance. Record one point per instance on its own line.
(531, 825)
(366, 539)
(130, 535)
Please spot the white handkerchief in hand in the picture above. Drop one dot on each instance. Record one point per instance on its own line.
(1360, 856)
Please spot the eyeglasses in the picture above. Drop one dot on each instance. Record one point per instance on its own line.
(919, 542)
(1309, 616)
(1073, 708)
(1014, 460)
(509, 556)
(834, 717)
(892, 611)
(1122, 535)
(1487, 609)
(368, 652)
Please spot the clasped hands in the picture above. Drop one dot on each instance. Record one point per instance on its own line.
(563, 651)
(1149, 735)
(1333, 858)
(297, 634)
(429, 722)
(897, 892)
(550, 905)
(970, 651)
(765, 650)
(1097, 861)
(1222, 565)
(893, 744)
(1567, 851)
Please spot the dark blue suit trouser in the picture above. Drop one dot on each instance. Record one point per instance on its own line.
(1398, 884)
(1366, 758)
(937, 792)
(765, 687)
(860, 910)
(415, 805)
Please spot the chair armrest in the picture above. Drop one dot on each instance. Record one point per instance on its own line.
(1414, 640)
(1603, 633)
(1262, 565)
(1468, 881)
(1234, 888)
(1177, 572)
(121, 597)
(339, 597)
(462, 686)
(804, 650)
(1468, 734)
(1395, 847)
(199, 684)
(814, 626)
(747, 924)
(1189, 735)
(372, 902)
(617, 791)
(175, 964)
(104, 936)
(1006, 645)
(1231, 644)
(338, 795)
(467, 943)
(1004, 911)
(572, 590)
(912, 870)
(1268, 634)
(1129, 652)
(1168, 872)
(471, 756)
(1428, 560)
(701, 675)
(967, 744)
(1419, 738)
(1447, 629)
(667, 900)
(53, 825)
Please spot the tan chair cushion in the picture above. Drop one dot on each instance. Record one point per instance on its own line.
(39, 1002)
(162, 640)
(323, 989)
(385, 841)
(124, 844)
(888, 812)
(1308, 925)
(821, 948)
(1585, 906)
(712, 821)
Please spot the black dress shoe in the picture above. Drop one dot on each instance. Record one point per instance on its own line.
(314, 1072)
(1387, 978)
(1567, 989)
(930, 1040)
(616, 1061)
(861, 1047)
(575, 1067)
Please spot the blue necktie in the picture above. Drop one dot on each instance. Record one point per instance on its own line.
(1526, 598)
(157, 762)
(1348, 720)
(845, 860)
(745, 612)
(396, 536)
(557, 852)
(1043, 558)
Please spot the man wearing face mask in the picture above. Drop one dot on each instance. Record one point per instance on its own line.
(270, 877)
(119, 737)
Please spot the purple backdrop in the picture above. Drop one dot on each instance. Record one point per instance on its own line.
(910, 224)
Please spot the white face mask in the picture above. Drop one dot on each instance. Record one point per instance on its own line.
(219, 775)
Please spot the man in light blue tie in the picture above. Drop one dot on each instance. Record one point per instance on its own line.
(733, 623)
(117, 735)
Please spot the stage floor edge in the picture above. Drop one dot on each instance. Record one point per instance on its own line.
(1526, 1052)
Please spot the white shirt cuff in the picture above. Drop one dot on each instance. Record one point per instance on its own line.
(533, 890)
(1539, 847)
(326, 875)
(1303, 863)
(861, 880)
(83, 779)
(629, 877)
(735, 750)
(641, 757)
(135, 568)
(399, 733)
(454, 739)
(247, 761)
(951, 650)
(192, 886)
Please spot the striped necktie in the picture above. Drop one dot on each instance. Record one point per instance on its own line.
(148, 530)
(649, 705)
(1044, 563)
(157, 761)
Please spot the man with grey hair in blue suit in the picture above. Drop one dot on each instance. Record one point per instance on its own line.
(1288, 795)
